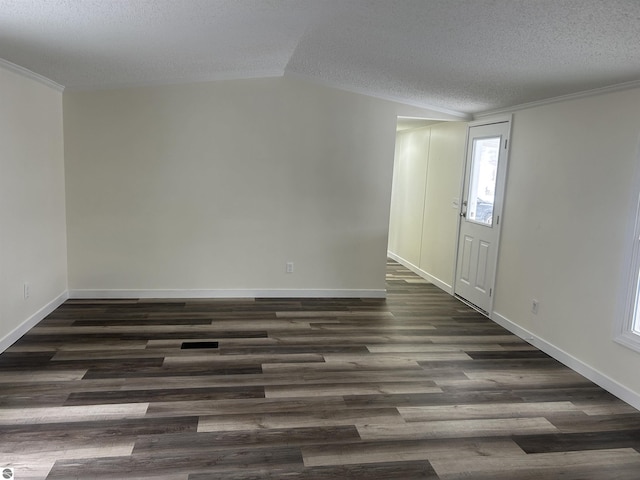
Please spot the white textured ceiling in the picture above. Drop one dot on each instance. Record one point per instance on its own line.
(465, 56)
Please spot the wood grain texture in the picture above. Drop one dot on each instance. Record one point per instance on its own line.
(417, 386)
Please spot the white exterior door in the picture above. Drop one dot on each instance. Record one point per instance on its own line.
(480, 222)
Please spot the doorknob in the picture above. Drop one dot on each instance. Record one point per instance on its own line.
(463, 212)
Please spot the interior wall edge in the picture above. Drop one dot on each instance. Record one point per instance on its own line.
(15, 335)
(610, 385)
(418, 271)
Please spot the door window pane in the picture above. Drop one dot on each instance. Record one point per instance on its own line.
(482, 187)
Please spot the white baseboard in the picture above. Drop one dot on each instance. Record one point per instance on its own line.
(277, 293)
(418, 271)
(15, 335)
(587, 371)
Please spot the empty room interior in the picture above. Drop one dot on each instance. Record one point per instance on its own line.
(301, 239)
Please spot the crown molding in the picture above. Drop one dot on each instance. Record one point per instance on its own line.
(219, 77)
(572, 96)
(25, 72)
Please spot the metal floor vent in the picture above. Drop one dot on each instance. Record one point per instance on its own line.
(188, 345)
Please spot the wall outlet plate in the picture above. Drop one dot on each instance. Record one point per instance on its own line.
(534, 306)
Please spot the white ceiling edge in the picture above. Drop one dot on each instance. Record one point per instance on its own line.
(240, 75)
(461, 116)
(452, 114)
(25, 72)
(562, 98)
(404, 124)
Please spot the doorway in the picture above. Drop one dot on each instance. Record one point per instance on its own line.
(425, 199)
(480, 212)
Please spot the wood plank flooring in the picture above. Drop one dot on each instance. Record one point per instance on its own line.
(415, 387)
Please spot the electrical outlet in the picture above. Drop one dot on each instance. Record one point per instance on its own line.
(534, 306)
(26, 290)
(289, 267)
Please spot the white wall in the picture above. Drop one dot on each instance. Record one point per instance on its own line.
(212, 187)
(32, 204)
(440, 225)
(568, 202)
(423, 227)
(408, 194)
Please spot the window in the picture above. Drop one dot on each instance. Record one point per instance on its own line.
(482, 187)
(628, 326)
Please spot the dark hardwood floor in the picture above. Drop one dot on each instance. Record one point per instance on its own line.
(415, 387)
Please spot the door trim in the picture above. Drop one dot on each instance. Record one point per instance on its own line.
(476, 123)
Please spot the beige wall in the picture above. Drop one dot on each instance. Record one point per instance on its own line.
(215, 186)
(568, 202)
(440, 225)
(32, 202)
(408, 194)
(427, 171)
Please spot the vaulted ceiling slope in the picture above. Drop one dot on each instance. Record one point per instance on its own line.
(464, 56)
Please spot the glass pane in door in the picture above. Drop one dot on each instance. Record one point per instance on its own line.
(482, 186)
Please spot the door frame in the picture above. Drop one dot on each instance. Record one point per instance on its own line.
(477, 123)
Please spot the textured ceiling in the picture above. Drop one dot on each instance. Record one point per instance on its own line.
(463, 56)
